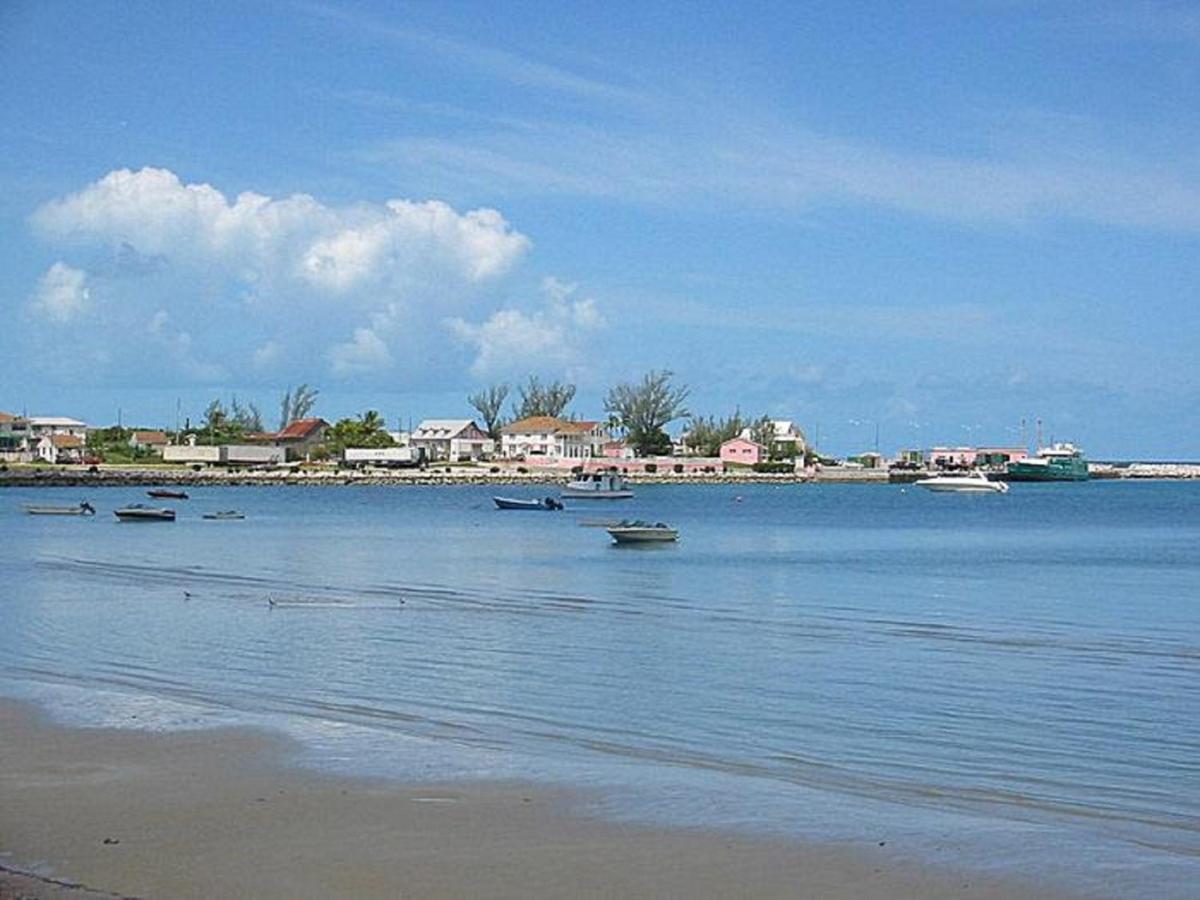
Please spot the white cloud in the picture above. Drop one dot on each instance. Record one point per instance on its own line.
(177, 352)
(512, 339)
(268, 355)
(62, 293)
(367, 352)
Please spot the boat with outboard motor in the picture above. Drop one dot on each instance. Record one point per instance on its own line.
(226, 515)
(167, 494)
(547, 503)
(969, 483)
(83, 509)
(598, 486)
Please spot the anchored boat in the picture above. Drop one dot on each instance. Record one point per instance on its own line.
(639, 532)
(83, 509)
(973, 483)
(167, 494)
(598, 486)
(141, 513)
(548, 503)
(1058, 462)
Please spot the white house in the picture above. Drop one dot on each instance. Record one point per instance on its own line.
(452, 439)
(553, 438)
(39, 426)
(60, 448)
(786, 438)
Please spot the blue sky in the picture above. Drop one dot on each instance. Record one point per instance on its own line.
(943, 219)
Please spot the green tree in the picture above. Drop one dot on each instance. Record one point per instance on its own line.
(489, 402)
(537, 399)
(645, 409)
(366, 430)
(707, 434)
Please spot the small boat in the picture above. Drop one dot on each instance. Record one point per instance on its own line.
(141, 513)
(1058, 462)
(83, 509)
(639, 532)
(973, 483)
(549, 503)
(224, 516)
(167, 494)
(598, 486)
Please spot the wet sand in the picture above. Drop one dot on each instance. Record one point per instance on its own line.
(99, 813)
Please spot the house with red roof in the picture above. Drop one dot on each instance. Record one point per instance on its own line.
(154, 441)
(301, 437)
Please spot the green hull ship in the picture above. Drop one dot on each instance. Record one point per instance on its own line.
(1062, 462)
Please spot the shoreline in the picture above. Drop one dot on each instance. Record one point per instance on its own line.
(146, 476)
(90, 812)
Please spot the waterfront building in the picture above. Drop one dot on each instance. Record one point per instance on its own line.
(14, 438)
(458, 440)
(548, 437)
(743, 451)
(152, 441)
(40, 426)
(301, 437)
(59, 448)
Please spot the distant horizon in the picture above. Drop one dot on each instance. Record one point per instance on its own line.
(935, 221)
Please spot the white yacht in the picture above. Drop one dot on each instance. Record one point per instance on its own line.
(966, 483)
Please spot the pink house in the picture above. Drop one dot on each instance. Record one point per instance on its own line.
(741, 450)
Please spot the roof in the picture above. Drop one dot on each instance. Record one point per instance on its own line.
(149, 437)
(66, 441)
(742, 440)
(442, 428)
(7, 417)
(56, 422)
(300, 429)
(547, 425)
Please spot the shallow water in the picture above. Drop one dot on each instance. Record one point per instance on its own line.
(1010, 680)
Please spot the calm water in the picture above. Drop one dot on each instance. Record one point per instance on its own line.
(1008, 680)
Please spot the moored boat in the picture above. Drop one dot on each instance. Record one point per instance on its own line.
(167, 494)
(138, 512)
(972, 483)
(598, 486)
(226, 515)
(639, 532)
(548, 503)
(83, 509)
(1058, 462)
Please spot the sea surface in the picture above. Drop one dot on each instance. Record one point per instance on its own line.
(1008, 682)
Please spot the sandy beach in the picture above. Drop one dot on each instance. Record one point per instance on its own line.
(102, 813)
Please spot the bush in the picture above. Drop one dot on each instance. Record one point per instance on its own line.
(651, 468)
(521, 470)
(774, 468)
(678, 468)
(494, 469)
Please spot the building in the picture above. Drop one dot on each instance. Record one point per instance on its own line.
(39, 426)
(743, 451)
(60, 448)
(148, 441)
(14, 438)
(301, 437)
(549, 437)
(457, 440)
(786, 439)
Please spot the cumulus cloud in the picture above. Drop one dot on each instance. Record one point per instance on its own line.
(512, 338)
(365, 353)
(244, 276)
(62, 293)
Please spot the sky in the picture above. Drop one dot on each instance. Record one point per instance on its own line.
(940, 223)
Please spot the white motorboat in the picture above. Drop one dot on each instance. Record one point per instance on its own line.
(969, 483)
(139, 513)
(549, 503)
(638, 532)
(83, 509)
(598, 486)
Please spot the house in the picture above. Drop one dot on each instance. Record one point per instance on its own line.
(786, 439)
(60, 448)
(617, 450)
(549, 437)
(301, 437)
(458, 440)
(40, 426)
(14, 438)
(742, 451)
(150, 441)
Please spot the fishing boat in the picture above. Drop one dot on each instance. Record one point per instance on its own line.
(83, 509)
(639, 532)
(1058, 462)
(548, 503)
(598, 486)
(140, 513)
(971, 483)
(167, 494)
(226, 515)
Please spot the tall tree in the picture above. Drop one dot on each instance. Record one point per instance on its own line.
(645, 409)
(248, 416)
(705, 435)
(537, 399)
(366, 430)
(296, 404)
(489, 402)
